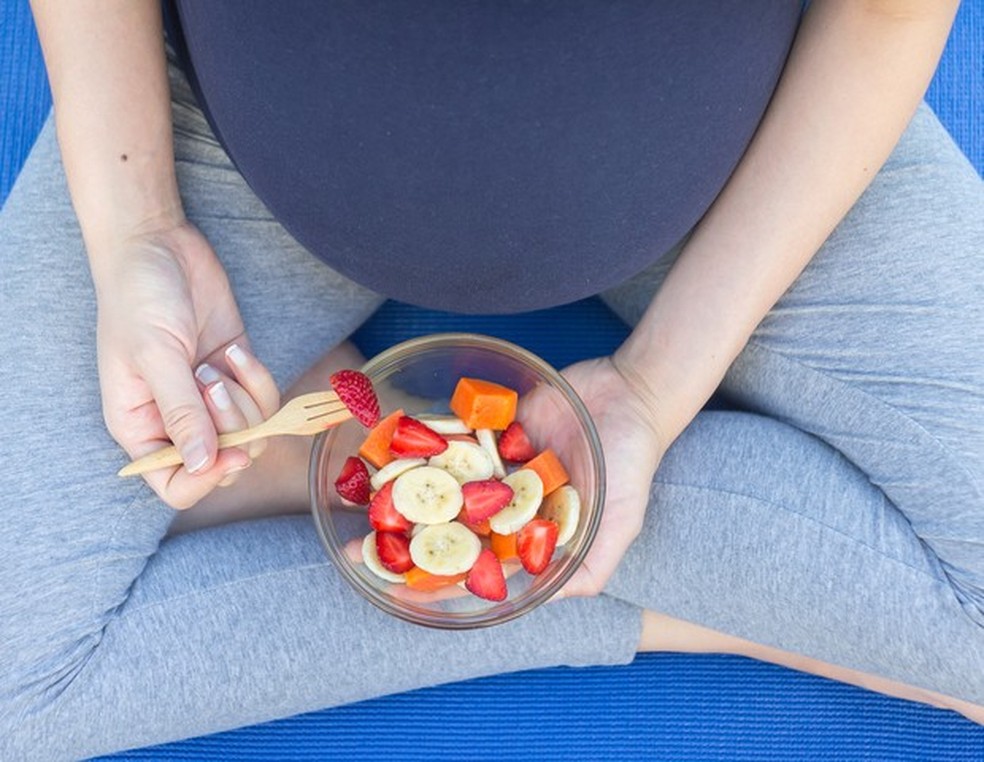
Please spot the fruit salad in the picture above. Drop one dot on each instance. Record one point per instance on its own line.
(462, 499)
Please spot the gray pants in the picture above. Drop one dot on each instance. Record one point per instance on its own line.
(840, 514)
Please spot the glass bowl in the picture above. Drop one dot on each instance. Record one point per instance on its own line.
(419, 376)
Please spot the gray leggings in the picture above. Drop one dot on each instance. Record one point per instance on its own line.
(840, 514)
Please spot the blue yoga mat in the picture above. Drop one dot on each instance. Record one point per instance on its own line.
(662, 707)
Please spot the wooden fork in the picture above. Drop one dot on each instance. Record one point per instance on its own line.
(302, 416)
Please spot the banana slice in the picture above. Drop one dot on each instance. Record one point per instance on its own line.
(527, 495)
(465, 461)
(392, 470)
(486, 438)
(445, 424)
(563, 506)
(449, 548)
(372, 562)
(427, 495)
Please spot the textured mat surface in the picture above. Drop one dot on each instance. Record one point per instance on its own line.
(957, 91)
(663, 707)
(24, 95)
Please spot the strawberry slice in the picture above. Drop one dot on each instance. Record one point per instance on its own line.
(383, 516)
(393, 549)
(535, 544)
(514, 445)
(355, 391)
(353, 481)
(413, 439)
(485, 498)
(485, 579)
(482, 528)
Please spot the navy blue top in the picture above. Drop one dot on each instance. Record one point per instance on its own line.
(487, 155)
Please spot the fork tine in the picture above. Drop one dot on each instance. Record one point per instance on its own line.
(325, 413)
(322, 403)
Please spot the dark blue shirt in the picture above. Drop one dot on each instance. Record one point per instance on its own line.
(487, 155)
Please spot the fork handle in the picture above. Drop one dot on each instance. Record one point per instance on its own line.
(169, 456)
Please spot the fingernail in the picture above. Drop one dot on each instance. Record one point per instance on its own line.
(229, 477)
(236, 355)
(207, 374)
(220, 396)
(240, 467)
(195, 457)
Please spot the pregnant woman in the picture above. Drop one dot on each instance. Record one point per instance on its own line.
(758, 191)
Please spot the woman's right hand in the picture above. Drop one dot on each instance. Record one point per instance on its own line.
(164, 300)
(166, 307)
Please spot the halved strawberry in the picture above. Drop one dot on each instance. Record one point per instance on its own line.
(485, 579)
(535, 544)
(383, 516)
(514, 445)
(413, 439)
(355, 391)
(393, 549)
(481, 528)
(353, 481)
(485, 498)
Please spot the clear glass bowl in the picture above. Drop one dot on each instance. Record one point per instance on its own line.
(419, 376)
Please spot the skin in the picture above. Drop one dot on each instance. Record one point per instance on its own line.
(855, 76)
(664, 633)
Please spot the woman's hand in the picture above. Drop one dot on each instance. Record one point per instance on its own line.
(632, 445)
(164, 300)
(633, 449)
(165, 307)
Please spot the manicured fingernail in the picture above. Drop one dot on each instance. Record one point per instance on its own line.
(236, 355)
(220, 396)
(195, 457)
(207, 374)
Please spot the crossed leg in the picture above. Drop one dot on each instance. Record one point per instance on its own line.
(837, 514)
(116, 635)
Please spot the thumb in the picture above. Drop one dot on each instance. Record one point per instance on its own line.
(186, 419)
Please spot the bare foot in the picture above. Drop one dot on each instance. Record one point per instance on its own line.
(664, 633)
(277, 482)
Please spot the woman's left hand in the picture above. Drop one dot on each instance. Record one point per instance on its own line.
(633, 449)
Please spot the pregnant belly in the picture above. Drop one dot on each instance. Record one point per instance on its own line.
(487, 156)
